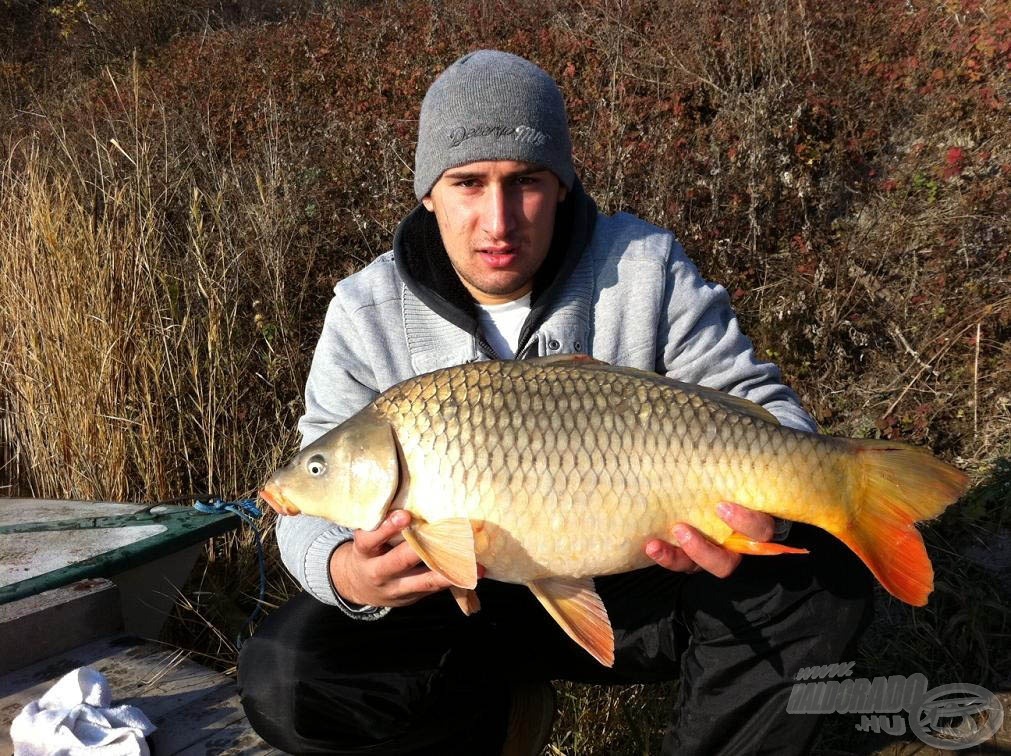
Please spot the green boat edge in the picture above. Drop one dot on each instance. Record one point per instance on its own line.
(183, 528)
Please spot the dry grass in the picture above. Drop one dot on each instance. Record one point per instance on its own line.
(180, 190)
(137, 349)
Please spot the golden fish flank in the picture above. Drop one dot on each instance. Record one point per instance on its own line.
(550, 471)
(559, 457)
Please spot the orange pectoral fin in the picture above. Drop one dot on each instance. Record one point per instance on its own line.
(576, 607)
(447, 547)
(743, 545)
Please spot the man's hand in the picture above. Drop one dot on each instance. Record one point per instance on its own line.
(696, 552)
(368, 570)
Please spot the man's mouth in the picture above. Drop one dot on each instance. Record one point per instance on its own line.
(498, 257)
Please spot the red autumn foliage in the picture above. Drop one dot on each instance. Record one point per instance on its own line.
(843, 127)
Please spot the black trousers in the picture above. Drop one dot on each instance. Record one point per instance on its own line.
(425, 679)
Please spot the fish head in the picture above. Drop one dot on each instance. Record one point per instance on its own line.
(349, 475)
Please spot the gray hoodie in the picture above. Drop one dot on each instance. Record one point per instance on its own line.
(618, 288)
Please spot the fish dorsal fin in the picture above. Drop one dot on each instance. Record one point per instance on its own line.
(735, 403)
(728, 401)
(566, 359)
(447, 547)
(576, 607)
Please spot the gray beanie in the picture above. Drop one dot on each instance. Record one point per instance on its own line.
(491, 105)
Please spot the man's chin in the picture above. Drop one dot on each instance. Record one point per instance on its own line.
(499, 286)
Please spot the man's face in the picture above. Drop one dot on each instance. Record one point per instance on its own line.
(496, 218)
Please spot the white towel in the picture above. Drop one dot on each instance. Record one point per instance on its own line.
(74, 718)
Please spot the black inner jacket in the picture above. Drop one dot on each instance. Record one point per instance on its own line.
(424, 266)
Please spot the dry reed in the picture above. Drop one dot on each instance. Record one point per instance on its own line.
(136, 358)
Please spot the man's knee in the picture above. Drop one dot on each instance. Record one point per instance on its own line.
(266, 691)
(840, 618)
(311, 680)
(299, 701)
(844, 605)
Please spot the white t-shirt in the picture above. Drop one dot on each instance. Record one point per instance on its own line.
(501, 324)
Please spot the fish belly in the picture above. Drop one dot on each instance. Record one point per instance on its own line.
(571, 472)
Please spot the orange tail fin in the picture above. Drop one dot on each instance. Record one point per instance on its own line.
(897, 486)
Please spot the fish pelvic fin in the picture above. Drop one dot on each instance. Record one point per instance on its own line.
(466, 599)
(447, 547)
(743, 545)
(576, 607)
(901, 485)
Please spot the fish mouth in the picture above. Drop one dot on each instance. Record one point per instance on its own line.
(270, 494)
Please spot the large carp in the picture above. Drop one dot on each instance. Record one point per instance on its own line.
(552, 470)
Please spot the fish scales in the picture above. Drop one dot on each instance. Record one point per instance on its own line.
(569, 457)
(552, 470)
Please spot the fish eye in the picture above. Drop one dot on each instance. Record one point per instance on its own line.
(316, 465)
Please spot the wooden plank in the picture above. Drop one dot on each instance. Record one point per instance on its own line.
(233, 740)
(56, 621)
(21, 683)
(198, 720)
(212, 722)
(19, 687)
(195, 709)
(29, 683)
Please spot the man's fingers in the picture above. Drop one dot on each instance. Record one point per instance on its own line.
(389, 572)
(373, 542)
(397, 561)
(422, 583)
(706, 554)
(756, 525)
(669, 556)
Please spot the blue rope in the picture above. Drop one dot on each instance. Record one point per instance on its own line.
(249, 513)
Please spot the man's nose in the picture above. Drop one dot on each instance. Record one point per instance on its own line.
(498, 215)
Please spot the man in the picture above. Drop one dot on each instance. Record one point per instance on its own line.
(506, 257)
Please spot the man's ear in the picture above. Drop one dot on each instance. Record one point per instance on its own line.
(563, 192)
(427, 202)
